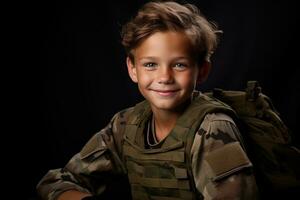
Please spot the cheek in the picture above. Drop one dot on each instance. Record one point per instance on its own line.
(187, 79)
(144, 79)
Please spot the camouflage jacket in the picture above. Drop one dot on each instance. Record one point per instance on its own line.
(99, 164)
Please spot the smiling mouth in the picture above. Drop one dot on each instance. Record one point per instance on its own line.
(166, 93)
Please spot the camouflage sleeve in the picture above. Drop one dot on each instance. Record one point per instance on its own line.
(90, 169)
(220, 165)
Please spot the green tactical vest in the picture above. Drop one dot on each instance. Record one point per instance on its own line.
(165, 173)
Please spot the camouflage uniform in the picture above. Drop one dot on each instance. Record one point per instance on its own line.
(220, 167)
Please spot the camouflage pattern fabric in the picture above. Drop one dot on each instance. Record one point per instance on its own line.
(98, 167)
(220, 166)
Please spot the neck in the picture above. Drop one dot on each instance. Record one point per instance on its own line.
(165, 120)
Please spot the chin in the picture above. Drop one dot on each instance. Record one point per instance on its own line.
(167, 103)
(167, 106)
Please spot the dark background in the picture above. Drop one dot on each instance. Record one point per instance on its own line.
(73, 76)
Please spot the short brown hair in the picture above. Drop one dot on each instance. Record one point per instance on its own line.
(171, 16)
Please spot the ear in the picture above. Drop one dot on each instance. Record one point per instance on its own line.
(131, 70)
(204, 70)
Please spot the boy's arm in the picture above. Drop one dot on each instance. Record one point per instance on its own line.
(220, 165)
(89, 171)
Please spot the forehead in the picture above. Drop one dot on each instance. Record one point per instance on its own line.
(164, 44)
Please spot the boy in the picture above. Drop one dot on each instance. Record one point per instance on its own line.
(163, 147)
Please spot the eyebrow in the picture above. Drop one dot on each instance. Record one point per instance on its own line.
(148, 57)
(153, 57)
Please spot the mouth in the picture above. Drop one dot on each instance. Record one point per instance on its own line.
(165, 93)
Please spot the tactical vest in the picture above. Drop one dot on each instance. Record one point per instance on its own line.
(165, 173)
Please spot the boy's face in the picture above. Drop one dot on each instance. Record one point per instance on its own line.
(164, 70)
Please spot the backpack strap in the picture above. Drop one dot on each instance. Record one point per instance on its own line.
(253, 90)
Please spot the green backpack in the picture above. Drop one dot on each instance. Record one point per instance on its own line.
(276, 161)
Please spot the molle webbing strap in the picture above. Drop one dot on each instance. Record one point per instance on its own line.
(177, 156)
(179, 172)
(159, 182)
(166, 194)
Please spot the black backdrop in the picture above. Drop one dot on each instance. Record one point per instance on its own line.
(76, 78)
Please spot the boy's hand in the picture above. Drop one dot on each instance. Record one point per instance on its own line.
(73, 195)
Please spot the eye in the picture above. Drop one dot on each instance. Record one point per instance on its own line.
(180, 66)
(150, 65)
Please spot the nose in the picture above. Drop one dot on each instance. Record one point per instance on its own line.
(165, 75)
